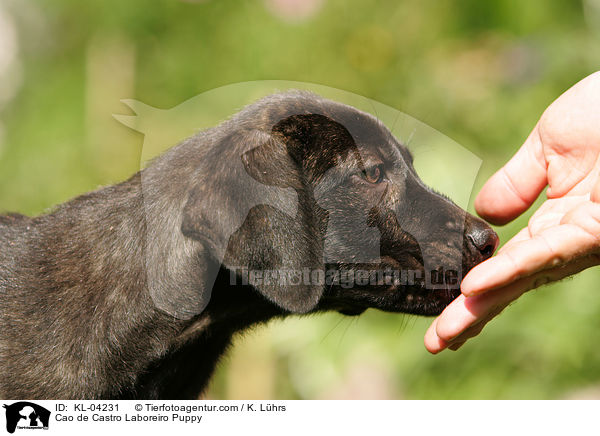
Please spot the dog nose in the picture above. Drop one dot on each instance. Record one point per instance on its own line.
(481, 237)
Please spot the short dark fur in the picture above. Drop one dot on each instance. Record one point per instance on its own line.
(80, 286)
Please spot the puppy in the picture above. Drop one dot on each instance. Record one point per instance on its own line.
(297, 204)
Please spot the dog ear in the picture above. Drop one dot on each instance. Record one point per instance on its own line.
(256, 217)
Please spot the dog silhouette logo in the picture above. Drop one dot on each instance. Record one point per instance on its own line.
(26, 415)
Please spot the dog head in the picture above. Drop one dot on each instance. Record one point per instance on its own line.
(320, 208)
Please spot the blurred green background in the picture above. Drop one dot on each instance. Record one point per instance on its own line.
(481, 73)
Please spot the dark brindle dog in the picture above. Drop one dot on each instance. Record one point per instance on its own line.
(135, 290)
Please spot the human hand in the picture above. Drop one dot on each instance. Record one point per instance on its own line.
(562, 237)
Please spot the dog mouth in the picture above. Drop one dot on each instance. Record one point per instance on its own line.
(415, 300)
(425, 301)
(411, 289)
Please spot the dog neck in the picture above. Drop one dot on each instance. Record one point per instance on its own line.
(85, 311)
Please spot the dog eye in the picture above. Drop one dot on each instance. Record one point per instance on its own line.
(373, 174)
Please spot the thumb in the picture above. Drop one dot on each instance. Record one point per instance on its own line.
(510, 192)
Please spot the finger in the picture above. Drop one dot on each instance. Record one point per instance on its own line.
(475, 328)
(461, 339)
(510, 191)
(474, 312)
(515, 261)
(552, 247)
(433, 343)
(466, 317)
